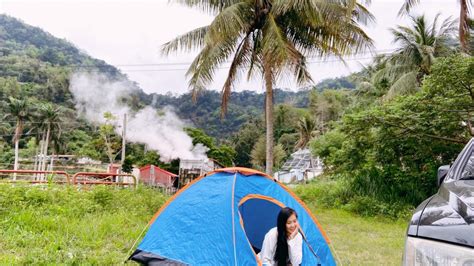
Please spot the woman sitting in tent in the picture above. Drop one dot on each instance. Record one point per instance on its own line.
(282, 245)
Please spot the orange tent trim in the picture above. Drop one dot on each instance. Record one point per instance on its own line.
(247, 172)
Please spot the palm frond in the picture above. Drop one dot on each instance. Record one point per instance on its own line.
(209, 6)
(301, 72)
(407, 6)
(255, 59)
(363, 15)
(448, 27)
(203, 67)
(230, 22)
(404, 85)
(186, 42)
(328, 38)
(242, 56)
(311, 10)
(275, 46)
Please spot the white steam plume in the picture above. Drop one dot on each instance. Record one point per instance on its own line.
(95, 94)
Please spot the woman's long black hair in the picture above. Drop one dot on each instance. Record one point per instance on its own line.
(281, 253)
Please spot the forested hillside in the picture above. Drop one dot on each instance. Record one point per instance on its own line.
(35, 100)
(205, 113)
(36, 103)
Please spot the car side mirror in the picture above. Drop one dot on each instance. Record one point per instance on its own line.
(442, 171)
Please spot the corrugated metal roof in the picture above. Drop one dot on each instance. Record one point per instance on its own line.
(301, 160)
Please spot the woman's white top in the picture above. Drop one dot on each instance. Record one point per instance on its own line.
(267, 253)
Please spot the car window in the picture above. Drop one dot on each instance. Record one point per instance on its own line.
(468, 169)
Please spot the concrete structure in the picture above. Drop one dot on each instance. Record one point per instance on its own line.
(191, 169)
(301, 166)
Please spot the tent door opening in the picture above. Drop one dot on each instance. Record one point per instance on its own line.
(259, 215)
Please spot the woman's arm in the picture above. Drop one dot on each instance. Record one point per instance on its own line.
(295, 250)
(268, 248)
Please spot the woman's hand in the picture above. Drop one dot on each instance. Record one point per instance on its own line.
(295, 232)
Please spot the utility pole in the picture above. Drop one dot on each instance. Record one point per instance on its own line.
(124, 131)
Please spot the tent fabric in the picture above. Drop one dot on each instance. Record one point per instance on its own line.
(220, 219)
(152, 259)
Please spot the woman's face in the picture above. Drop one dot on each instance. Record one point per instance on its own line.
(291, 224)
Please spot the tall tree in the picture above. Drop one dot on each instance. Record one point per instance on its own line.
(419, 44)
(464, 20)
(270, 37)
(258, 154)
(107, 132)
(50, 119)
(244, 141)
(19, 110)
(327, 106)
(306, 129)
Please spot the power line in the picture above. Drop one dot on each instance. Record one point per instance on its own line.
(33, 122)
(40, 133)
(374, 53)
(221, 67)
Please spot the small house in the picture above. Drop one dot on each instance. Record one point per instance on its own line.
(154, 176)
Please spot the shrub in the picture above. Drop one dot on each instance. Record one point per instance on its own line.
(338, 194)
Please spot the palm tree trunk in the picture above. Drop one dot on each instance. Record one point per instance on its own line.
(41, 155)
(15, 166)
(19, 126)
(464, 27)
(46, 148)
(35, 176)
(52, 161)
(268, 117)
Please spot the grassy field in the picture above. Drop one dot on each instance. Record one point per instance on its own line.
(58, 225)
(357, 240)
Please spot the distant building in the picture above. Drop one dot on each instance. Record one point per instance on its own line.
(301, 166)
(154, 176)
(191, 169)
(89, 161)
(114, 168)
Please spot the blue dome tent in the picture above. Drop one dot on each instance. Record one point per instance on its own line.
(221, 219)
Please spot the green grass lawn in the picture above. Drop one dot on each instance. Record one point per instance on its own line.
(60, 225)
(357, 240)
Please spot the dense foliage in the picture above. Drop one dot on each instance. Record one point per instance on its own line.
(391, 151)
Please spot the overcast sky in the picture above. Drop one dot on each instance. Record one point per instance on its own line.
(128, 33)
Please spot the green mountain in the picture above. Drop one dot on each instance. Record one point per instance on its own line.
(36, 66)
(205, 113)
(42, 64)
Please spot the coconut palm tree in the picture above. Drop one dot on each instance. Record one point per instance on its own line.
(306, 129)
(270, 38)
(419, 45)
(464, 20)
(50, 118)
(19, 110)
